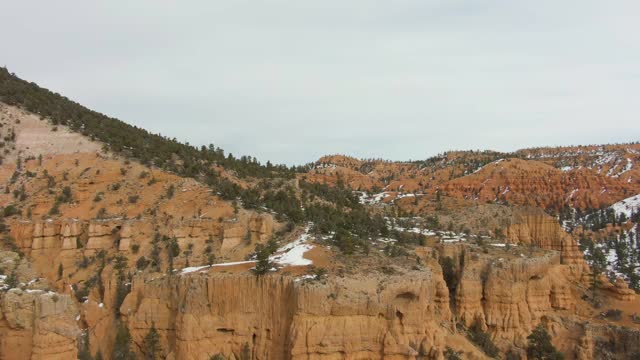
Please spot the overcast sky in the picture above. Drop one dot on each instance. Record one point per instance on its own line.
(290, 80)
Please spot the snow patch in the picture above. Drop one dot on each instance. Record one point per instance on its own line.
(293, 253)
(303, 277)
(627, 206)
(371, 199)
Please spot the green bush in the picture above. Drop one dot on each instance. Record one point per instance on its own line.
(483, 340)
(540, 346)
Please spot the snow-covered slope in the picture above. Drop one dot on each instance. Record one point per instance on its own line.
(627, 206)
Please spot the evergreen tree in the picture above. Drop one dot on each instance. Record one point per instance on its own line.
(450, 354)
(122, 289)
(83, 351)
(540, 346)
(12, 280)
(151, 344)
(173, 250)
(263, 264)
(598, 263)
(246, 352)
(122, 346)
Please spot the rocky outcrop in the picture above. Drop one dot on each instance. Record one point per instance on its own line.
(536, 228)
(535, 183)
(599, 341)
(619, 290)
(52, 243)
(518, 293)
(35, 323)
(507, 296)
(279, 317)
(248, 229)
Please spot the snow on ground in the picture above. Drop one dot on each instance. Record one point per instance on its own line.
(416, 230)
(449, 237)
(491, 163)
(627, 167)
(372, 199)
(612, 259)
(606, 158)
(191, 269)
(400, 196)
(291, 254)
(325, 165)
(612, 170)
(367, 199)
(453, 240)
(627, 206)
(304, 277)
(3, 286)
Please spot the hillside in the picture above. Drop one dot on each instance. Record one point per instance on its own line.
(121, 244)
(584, 178)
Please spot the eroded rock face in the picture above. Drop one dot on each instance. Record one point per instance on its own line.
(508, 296)
(35, 323)
(278, 317)
(365, 316)
(598, 341)
(544, 231)
(247, 229)
(618, 290)
(38, 325)
(52, 243)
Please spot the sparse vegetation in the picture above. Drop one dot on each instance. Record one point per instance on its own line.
(263, 264)
(151, 344)
(540, 346)
(142, 263)
(122, 347)
(450, 354)
(483, 340)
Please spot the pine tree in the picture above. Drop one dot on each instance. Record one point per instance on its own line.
(151, 344)
(122, 346)
(263, 265)
(122, 289)
(12, 280)
(598, 263)
(540, 346)
(173, 250)
(450, 354)
(83, 347)
(246, 352)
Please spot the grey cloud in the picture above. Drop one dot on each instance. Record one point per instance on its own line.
(288, 81)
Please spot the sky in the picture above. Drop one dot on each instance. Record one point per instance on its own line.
(290, 81)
